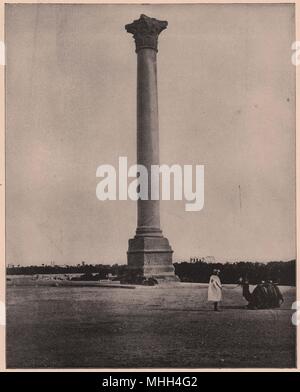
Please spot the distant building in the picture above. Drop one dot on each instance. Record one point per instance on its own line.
(209, 259)
(206, 259)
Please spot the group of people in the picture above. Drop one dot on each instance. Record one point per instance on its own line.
(265, 295)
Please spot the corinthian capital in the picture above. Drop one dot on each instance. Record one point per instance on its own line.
(146, 31)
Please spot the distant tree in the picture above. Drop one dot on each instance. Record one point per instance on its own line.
(281, 272)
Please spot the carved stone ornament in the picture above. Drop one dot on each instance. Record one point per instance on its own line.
(145, 31)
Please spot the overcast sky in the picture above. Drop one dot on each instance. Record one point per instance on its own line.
(226, 89)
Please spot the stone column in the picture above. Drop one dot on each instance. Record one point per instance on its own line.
(149, 253)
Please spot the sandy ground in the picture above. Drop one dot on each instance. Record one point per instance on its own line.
(93, 327)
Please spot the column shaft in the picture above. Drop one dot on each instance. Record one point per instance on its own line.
(147, 137)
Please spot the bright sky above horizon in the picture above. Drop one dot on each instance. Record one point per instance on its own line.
(226, 88)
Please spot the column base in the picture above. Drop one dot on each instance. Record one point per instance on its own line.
(151, 257)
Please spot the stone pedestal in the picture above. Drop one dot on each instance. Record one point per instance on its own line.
(151, 257)
(149, 253)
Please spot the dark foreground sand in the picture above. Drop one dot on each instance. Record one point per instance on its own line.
(93, 327)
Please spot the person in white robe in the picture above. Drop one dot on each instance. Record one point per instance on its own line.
(215, 289)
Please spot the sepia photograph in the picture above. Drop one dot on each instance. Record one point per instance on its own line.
(150, 186)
